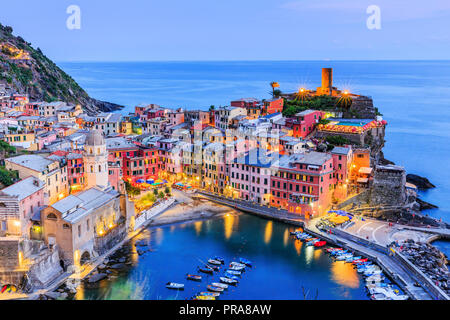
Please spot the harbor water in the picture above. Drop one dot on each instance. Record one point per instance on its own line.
(283, 268)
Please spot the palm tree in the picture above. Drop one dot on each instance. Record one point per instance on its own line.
(274, 85)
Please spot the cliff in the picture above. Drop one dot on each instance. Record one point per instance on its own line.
(27, 70)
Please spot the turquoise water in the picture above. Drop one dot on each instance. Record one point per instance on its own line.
(352, 124)
(281, 265)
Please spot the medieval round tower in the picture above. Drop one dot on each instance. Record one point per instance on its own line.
(95, 160)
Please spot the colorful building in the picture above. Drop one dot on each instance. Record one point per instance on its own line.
(303, 123)
(303, 183)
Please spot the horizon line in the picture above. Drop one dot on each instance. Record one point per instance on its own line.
(257, 60)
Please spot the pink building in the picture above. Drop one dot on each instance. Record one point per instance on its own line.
(45, 138)
(114, 173)
(18, 203)
(250, 177)
(175, 118)
(302, 124)
(342, 161)
(303, 183)
(154, 113)
(32, 108)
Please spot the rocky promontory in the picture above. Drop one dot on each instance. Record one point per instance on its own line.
(26, 70)
(420, 182)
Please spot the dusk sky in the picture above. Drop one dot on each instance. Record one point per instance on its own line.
(138, 30)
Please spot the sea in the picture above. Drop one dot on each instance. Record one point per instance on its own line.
(413, 96)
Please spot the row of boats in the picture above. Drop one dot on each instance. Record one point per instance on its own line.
(378, 286)
(309, 239)
(230, 277)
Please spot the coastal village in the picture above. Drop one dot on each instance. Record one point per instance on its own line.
(75, 185)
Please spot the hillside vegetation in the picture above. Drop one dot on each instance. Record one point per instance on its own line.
(27, 70)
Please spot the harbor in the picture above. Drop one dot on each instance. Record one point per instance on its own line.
(281, 267)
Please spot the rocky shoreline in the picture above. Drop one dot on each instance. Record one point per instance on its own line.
(430, 261)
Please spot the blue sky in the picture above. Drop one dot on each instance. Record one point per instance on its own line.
(144, 30)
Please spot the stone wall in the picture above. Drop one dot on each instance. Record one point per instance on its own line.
(363, 107)
(46, 267)
(9, 253)
(108, 241)
(361, 198)
(388, 187)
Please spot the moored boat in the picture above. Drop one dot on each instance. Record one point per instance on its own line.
(378, 296)
(228, 280)
(312, 242)
(231, 276)
(211, 294)
(205, 298)
(206, 270)
(237, 264)
(234, 272)
(375, 278)
(220, 285)
(236, 268)
(214, 289)
(360, 261)
(175, 286)
(222, 260)
(320, 243)
(194, 277)
(246, 262)
(214, 262)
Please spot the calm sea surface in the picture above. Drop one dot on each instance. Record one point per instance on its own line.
(414, 97)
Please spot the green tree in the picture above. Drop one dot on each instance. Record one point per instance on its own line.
(337, 140)
(7, 177)
(132, 190)
(167, 190)
(161, 195)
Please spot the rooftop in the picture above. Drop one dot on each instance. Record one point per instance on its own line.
(75, 207)
(119, 143)
(31, 161)
(24, 188)
(340, 150)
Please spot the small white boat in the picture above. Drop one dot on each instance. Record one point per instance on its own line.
(175, 286)
(237, 264)
(378, 296)
(228, 280)
(236, 268)
(210, 294)
(372, 272)
(220, 285)
(214, 262)
(214, 289)
(234, 272)
(344, 257)
(389, 293)
(375, 278)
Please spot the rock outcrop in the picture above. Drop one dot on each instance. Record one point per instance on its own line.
(420, 182)
(430, 261)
